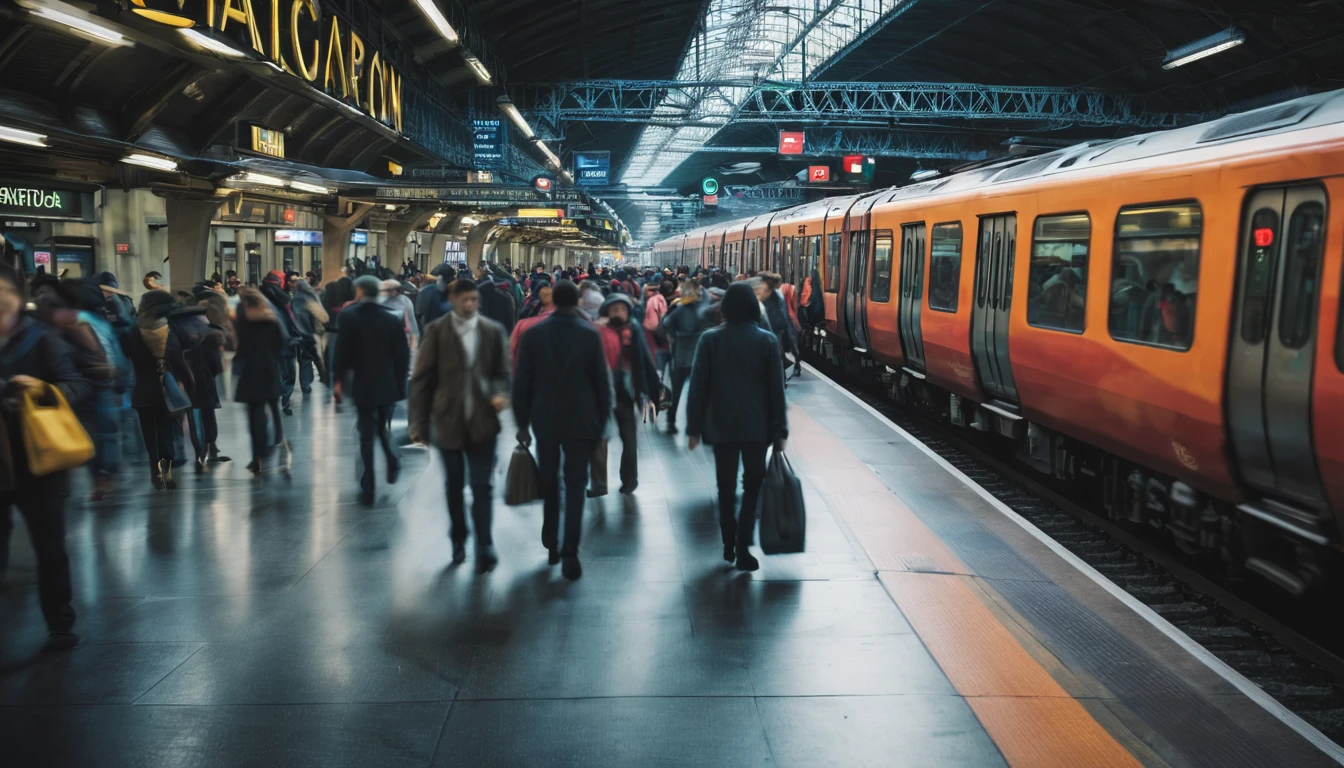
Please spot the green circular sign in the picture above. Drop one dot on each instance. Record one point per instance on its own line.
(710, 186)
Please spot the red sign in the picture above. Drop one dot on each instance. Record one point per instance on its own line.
(289, 215)
(711, 199)
(791, 142)
(42, 259)
(1264, 237)
(853, 163)
(543, 183)
(123, 247)
(819, 173)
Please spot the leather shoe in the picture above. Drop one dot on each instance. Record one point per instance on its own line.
(729, 552)
(459, 552)
(571, 568)
(594, 493)
(552, 556)
(629, 489)
(393, 472)
(486, 559)
(60, 641)
(745, 562)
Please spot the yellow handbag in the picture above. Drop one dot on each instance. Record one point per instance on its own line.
(53, 438)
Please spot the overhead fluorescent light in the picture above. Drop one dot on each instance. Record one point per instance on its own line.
(250, 177)
(921, 175)
(150, 161)
(20, 136)
(436, 17)
(82, 24)
(303, 186)
(506, 106)
(211, 44)
(478, 67)
(1203, 48)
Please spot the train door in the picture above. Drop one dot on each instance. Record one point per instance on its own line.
(856, 280)
(912, 294)
(1273, 344)
(993, 302)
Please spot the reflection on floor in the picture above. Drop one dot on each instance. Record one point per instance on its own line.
(242, 621)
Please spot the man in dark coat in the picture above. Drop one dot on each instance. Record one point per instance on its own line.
(371, 344)
(273, 288)
(562, 390)
(431, 302)
(260, 346)
(460, 383)
(736, 404)
(32, 356)
(496, 304)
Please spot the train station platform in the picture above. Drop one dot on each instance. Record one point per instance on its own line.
(259, 622)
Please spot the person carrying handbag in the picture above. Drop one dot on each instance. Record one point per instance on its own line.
(459, 385)
(163, 383)
(33, 357)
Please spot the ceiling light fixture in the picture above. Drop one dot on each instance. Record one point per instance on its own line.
(436, 17)
(20, 136)
(1204, 47)
(211, 44)
(316, 189)
(506, 106)
(83, 25)
(478, 67)
(250, 177)
(150, 161)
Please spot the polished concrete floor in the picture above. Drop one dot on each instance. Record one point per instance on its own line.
(274, 622)
(240, 621)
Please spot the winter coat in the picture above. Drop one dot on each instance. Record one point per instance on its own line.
(497, 305)
(335, 295)
(310, 317)
(216, 307)
(429, 304)
(643, 373)
(201, 344)
(685, 324)
(777, 315)
(562, 387)
(142, 349)
(521, 328)
(737, 387)
(442, 377)
(371, 343)
(33, 349)
(256, 365)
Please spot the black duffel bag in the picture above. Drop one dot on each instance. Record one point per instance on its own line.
(522, 485)
(783, 516)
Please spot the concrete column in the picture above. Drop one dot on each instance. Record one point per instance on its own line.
(188, 240)
(476, 243)
(397, 232)
(336, 237)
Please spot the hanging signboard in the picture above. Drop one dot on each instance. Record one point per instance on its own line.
(791, 142)
(487, 142)
(268, 142)
(300, 236)
(592, 169)
(818, 173)
(359, 238)
(33, 200)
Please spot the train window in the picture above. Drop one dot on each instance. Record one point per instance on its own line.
(1306, 235)
(881, 291)
(834, 255)
(1155, 275)
(1057, 280)
(945, 267)
(1255, 301)
(813, 257)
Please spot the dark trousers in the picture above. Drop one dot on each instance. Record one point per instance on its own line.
(679, 378)
(204, 429)
(481, 460)
(309, 364)
(39, 501)
(372, 422)
(157, 426)
(256, 426)
(629, 432)
(288, 360)
(726, 459)
(577, 453)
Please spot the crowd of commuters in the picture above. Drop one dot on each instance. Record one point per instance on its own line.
(581, 355)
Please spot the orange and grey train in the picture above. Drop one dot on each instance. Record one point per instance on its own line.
(1158, 316)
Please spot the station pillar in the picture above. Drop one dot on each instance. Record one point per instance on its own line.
(476, 243)
(188, 239)
(336, 231)
(397, 232)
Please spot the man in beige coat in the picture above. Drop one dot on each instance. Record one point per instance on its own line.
(459, 385)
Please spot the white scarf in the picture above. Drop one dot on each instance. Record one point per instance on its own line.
(469, 334)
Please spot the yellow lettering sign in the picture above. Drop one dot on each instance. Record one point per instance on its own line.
(334, 49)
(308, 73)
(356, 62)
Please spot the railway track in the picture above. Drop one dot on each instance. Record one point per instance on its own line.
(1291, 649)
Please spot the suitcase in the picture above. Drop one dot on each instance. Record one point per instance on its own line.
(783, 526)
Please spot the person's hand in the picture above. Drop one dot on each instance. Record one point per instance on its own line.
(780, 445)
(416, 438)
(336, 392)
(692, 443)
(500, 402)
(26, 382)
(524, 438)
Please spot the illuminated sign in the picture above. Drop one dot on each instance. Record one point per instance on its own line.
(300, 236)
(1264, 237)
(541, 213)
(301, 40)
(543, 183)
(709, 186)
(791, 142)
(816, 173)
(268, 142)
(123, 247)
(15, 198)
(592, 169)
(393, 168)
(487, 142)
(858, 168)
(42, 259)
(711, 199)
(359, 238)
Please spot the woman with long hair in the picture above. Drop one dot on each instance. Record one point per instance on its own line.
(155, 351)
(261, 344)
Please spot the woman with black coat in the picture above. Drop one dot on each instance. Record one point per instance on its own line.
(155, 350)
(736, 404)
(261, 345)
(202, 345)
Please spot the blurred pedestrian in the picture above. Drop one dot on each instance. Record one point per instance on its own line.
(690, 317)
(401, 307)
(260, 346)
(371, 346)
(562, 391)
(154, 350)
(460, 383)
(272, 287)
(635, 385)
(310, 317)
(736, 404)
